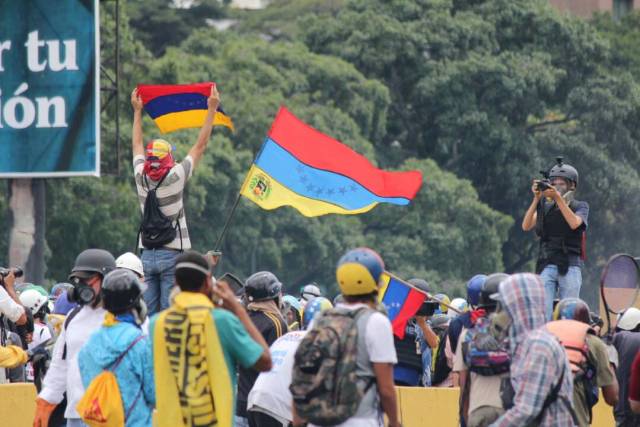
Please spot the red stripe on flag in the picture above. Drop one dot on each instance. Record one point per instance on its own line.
(409, 309)
(323, 152)
(149, 92)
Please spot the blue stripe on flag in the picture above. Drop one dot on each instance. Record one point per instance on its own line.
(175, 103)
(394, 297)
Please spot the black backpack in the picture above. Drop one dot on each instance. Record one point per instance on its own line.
(441, 369)
(156, 229)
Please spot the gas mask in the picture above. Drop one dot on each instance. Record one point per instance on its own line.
(83, 293)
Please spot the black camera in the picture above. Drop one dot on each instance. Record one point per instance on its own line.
(428, 308)
(543, 184)
(17, 271)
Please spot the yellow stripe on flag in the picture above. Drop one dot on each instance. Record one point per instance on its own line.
(266, 192)
(190, 119)
(384, 280)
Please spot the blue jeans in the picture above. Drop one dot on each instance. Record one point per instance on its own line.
(75, 422)
(159, 275)
(568, 286)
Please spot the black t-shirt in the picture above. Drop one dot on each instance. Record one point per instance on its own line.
(271, 327)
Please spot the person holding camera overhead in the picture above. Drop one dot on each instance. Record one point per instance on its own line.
(560, 221)
(10, 309)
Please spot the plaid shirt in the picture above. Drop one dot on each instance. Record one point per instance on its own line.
(538, 360)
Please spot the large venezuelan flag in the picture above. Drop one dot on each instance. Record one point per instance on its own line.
(300, 167)
(401, 301)
(175, 107)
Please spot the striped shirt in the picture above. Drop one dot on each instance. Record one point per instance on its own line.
(169, 196)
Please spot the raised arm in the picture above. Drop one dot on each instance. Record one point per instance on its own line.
(136, 133)
(197, 150)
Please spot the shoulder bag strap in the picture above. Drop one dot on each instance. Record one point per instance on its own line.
(124, 353)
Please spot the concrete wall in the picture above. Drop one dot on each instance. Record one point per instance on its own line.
(419, 407)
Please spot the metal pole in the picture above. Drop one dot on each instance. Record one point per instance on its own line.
(117, 65)
(227, 223)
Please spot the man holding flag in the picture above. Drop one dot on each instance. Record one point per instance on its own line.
(163, 230)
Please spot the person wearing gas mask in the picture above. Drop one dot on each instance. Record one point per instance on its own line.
(121, 346)
(63, 375)
(560, 221)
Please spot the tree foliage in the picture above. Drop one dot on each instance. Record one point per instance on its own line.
(479, 95)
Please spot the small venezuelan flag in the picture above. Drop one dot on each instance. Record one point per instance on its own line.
(299, 166)
(175, 107)
(401, 301)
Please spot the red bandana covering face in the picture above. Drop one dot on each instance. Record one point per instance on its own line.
(158, 160)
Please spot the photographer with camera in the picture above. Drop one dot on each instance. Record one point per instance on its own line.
(560, 222)
(409, 369)
(10, 305)
(11, 311)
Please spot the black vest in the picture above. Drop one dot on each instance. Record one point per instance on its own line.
(407, 349)
(557, 239)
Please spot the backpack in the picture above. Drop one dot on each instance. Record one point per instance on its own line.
(441, 368)
(573, 338)
(482, 352)
(325, 386)
(101, 405)
(156, 229)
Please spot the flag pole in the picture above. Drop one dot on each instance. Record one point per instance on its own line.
(429, 296)
(227, 222)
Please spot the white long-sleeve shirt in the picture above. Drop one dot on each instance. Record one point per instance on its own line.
(9, 307)
(64, 374)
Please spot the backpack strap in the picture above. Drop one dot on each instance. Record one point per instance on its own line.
(553, 396)
(67, 321)
(124, 353)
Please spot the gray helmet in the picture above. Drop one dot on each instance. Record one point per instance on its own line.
(421, 284)
(262, 286)
(93, 261)
(489, 288)
(121, 291)
(310, 292)
(562, 170)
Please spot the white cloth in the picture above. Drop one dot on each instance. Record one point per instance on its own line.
(64, 374)
(41, 333)
(9, 307)
(381, 349)
(271, 389)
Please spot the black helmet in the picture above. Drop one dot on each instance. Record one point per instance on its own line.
(489, 288)
(421, 284)
(262, 286)
(121, 291)
(562, 170)
(93, 261)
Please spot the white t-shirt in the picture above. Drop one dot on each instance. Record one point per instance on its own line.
(381, 349)
(271, 390)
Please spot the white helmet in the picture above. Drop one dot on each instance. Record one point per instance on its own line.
(629, 319)
(309, 292)
(460, 304)
(131, 262)
(33, 300)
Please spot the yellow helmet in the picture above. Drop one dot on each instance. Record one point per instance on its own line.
(358, 271)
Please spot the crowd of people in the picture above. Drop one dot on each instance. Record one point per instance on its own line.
(131, 336)
(258, 357)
